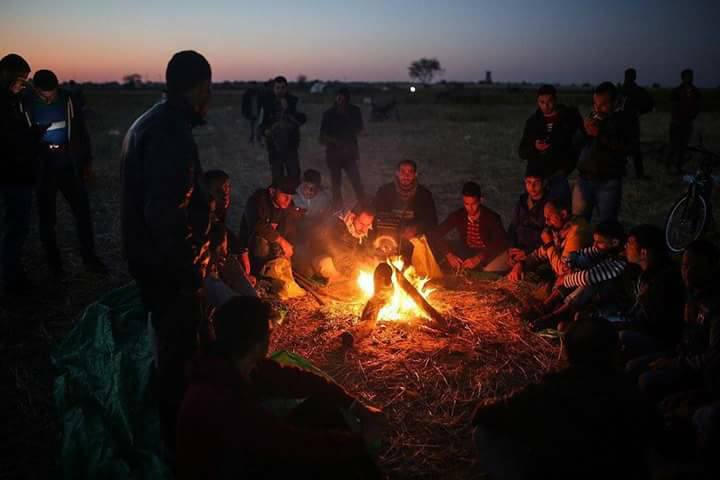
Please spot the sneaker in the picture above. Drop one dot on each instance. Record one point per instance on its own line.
(95, 265)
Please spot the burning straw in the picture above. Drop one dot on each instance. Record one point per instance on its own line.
(428, 381)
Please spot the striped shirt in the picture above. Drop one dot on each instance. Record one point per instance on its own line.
(474, 237)
(595, 267)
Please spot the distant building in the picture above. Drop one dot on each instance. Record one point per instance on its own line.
(318, 87)
(488, 77)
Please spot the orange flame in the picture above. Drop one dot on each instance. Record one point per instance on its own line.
(401, 306)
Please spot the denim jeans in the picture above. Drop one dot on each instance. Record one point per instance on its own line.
(605, 195)
(18, 204)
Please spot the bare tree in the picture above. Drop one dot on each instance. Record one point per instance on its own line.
(301, 80)
(425, 69)
(133, 80)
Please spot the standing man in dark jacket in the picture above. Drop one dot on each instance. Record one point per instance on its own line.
(602, 161)
(251, 107)
(160, 178)
(685, 104)
(635, 101)
(404, 208)
(339, 129)
(281, 127)
(19, 143)
(549, 140)
(64, 155)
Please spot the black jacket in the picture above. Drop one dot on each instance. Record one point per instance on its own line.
(527, 224)
(78, 136)
(160, 173)
(562, 155)
(19, 142)
(339, 131)
(260, 216)
(603, 157)
(272, 113)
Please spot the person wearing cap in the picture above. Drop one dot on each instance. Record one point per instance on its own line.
(161, 174)
(19, 143)
(269, 224)
(280, 125)
(483, 240)
(550, 141)
(528, 220)
(64, 157)
(339, 129)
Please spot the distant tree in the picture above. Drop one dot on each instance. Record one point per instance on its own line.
(425, 69)
(655, 85)
(133, 80)
(301, 80)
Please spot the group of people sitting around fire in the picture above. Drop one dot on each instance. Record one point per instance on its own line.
(615, 294)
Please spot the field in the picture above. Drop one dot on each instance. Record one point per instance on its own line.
(452, 143)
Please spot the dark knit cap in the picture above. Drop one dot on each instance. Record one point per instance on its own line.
(186, 70)
(285, 185)
(534, 169)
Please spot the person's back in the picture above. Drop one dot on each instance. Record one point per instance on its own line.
(159, 159)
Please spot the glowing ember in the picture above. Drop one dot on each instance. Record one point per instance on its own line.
(400, 306)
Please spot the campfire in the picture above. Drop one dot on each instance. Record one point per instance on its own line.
(392, 295)
(400, 306)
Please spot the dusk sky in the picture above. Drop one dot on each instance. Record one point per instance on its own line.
(539, 41)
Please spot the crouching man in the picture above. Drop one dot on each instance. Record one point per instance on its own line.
(340, 246)
(483, 241)
(226, 428)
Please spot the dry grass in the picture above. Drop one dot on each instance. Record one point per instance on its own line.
(428, 382)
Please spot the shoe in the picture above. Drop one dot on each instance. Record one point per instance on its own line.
(95, 265)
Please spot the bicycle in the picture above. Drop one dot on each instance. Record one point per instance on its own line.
(692, 214)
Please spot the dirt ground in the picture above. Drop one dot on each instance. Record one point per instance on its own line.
(451, 143)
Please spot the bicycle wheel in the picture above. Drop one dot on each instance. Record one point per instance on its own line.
(685, 222)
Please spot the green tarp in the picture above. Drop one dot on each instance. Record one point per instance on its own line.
(107, 415)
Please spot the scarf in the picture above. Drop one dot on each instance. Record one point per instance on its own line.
(406, 193)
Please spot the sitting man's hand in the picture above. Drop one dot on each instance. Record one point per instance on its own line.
(409, 232)
(546, 236)
(454, 261)
(592, 127)
(662, 363)
(472, 262)
(286, 246)
(559, 281)
(517, 273)
(516, 255)
(541, 146)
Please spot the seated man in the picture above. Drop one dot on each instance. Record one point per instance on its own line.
(336, 249)
(270, 222)
(655, 321)
(585, 421)
(483, 241)
(226, 428)
(405, 209)
(229, 264)
(528, 220)
(590, 271)
(563, 235)
(698, 355)
(312, 198)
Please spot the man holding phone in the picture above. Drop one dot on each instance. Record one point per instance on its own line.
(18, 145)
(64, 155)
